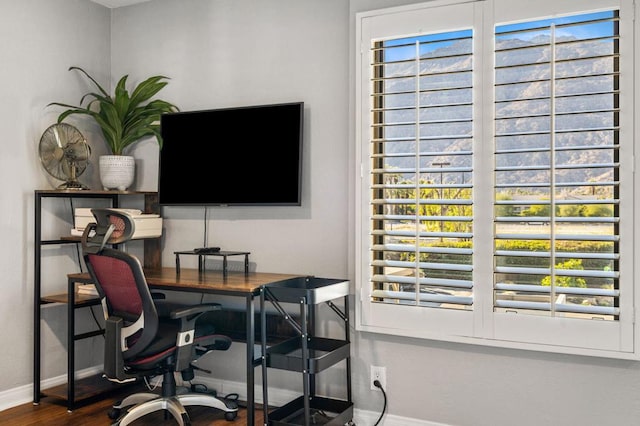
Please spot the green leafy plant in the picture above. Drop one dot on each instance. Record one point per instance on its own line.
(123, 118)
(567, 281)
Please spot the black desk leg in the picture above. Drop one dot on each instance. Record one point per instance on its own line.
(71, 331)
(37, 344)
(250, 361)
(263, 356)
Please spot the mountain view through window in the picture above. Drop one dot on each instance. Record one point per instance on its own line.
(556, 166)
(555, 181)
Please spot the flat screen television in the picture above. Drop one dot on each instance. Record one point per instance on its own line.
(241, 156)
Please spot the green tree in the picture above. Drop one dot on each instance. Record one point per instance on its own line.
(573, 210)
(537, 210)
(504, 210)
(562, 281)
(599, 210)
(460, 210)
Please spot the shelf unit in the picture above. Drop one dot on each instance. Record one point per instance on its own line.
(307, 353)
(76, 391)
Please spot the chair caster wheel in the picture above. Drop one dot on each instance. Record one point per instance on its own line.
(231, 415)
(114, 413)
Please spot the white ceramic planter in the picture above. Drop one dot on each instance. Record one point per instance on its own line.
(117, 171)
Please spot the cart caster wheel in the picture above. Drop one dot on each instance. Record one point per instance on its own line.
(231, 415)
(114, 413)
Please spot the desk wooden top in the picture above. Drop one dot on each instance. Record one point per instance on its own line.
(235, 283)
(212, 281)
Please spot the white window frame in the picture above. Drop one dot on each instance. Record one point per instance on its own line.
(613, 339)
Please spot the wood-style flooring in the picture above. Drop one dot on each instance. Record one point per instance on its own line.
(54, 413)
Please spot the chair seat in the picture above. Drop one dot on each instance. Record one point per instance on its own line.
(162, 346)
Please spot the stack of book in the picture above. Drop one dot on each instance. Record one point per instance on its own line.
(145, 225)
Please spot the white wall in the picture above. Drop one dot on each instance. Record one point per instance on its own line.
(237, 52)
(40, 40)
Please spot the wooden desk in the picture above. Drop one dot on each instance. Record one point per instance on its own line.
(192, 280)
(237, 284)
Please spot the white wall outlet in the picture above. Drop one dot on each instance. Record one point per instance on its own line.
(379, 374)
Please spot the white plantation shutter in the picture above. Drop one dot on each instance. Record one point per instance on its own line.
(421, 175)
(556, 166)
(496, 185)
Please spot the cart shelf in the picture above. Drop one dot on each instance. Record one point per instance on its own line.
(308, 353)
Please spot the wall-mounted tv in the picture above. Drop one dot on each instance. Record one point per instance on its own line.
(240, 156)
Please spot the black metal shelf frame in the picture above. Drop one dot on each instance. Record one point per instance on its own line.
(152, 259)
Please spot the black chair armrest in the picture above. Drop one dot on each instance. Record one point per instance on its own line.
(188, 311)
(174, 310)
(187, 315)
(212, 342)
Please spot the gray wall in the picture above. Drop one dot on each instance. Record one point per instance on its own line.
(40, 40)
(230, 53)
(470, 385)
(237, 52)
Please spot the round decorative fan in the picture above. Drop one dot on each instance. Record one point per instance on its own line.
(64, 154)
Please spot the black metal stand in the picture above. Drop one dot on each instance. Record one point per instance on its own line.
(223, 254)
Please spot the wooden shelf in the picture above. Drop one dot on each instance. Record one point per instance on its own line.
(80, 299)
(89, 193)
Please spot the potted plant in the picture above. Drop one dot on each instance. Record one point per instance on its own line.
(124, 119)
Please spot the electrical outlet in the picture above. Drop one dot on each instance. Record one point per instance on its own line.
(379, 374)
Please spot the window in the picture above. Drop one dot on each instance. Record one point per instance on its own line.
(421, 152)
(556, 166)
(496, 149)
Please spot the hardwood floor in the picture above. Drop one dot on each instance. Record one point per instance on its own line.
(54, 413)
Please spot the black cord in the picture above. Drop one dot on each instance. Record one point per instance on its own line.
(205, 242)
(73, 216)
(73, 221)
(377, 384)
(95, 319)
(79, 257)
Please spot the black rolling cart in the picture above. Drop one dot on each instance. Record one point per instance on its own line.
(307, 353)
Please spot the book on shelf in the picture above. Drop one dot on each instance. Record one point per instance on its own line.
(146, 225)
(76, 232)
(87, 289)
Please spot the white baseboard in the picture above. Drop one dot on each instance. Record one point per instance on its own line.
(24, 394)
(362, 417)
(277, 397)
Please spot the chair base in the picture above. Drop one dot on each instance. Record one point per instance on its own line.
(146, 402)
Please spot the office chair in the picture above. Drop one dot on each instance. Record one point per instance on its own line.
(145, 336)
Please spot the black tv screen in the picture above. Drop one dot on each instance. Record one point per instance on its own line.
(232, 156)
